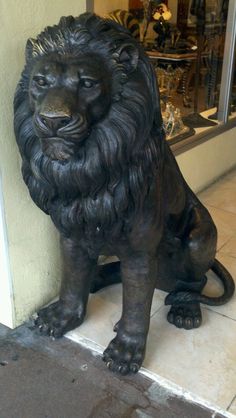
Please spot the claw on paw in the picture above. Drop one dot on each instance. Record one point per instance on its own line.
(185, 316)
(125, 354)
(55, 320)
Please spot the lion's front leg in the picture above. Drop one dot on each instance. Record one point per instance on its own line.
(69, 311)
(126, 351)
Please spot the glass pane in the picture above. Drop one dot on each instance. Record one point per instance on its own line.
(185, 41)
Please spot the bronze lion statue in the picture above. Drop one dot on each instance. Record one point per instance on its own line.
(94, 157)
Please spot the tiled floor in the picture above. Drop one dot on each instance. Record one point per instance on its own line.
(201, 362)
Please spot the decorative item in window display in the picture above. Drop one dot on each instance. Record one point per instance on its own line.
(172, 122)
(161, 15)
(94, 158)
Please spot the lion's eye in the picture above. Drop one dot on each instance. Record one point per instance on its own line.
(40, 81)
(87, 82)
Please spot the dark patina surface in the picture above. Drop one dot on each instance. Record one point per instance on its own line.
(94, 157)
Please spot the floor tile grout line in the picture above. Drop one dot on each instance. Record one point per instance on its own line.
(216, 207)
(213, 191)
(218, 313)
(160, 307)
(221, 178)
(229, 255)
(231, 403)
(226, 242)
(203, 306)
(179, 391)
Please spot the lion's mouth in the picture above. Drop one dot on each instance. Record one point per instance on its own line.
(73, 133)
(62, 148)
(57, 149)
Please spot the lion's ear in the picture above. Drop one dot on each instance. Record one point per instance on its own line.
(128, 56)
(29, 48)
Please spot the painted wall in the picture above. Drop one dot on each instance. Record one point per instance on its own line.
(106, 6)
(6, 294)
(205, 163)
(33, 248)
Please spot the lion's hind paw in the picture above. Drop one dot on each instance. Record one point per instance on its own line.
(185, 316)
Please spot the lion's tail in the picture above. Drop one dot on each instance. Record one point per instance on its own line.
(109, 274)
(225, 278)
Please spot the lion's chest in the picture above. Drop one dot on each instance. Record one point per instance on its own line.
(96, 229)
(98, 235)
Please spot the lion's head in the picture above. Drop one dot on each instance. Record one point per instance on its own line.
(87, 118)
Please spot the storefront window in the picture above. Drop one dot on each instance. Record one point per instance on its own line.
(185, 39)
(191, 44)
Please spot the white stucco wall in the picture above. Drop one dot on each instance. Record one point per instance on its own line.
(33, 249)
(206, 162)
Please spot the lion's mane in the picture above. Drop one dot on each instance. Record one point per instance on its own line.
(110, 176)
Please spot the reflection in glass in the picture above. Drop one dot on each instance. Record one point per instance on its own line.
(185, 40)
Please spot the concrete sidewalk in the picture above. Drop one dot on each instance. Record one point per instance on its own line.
(42, 378)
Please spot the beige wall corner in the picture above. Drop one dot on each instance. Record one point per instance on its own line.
(6, 293)
(32, 251)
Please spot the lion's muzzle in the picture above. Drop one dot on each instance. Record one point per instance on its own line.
(51, 124)
(59, 124)
(54, 122)
(60, 136)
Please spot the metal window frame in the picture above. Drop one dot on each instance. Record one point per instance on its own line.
(228, 64)
(228, 69)
(89, 5)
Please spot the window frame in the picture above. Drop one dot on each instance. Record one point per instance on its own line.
(228, 64)
(229, 60)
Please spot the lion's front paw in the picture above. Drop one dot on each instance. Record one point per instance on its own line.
(125, 353)
(56, 319)
(185, 316)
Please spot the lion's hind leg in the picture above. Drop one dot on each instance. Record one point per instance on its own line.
(197, 253)
(185, 311)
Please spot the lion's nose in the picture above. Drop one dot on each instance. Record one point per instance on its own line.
(54, 122)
